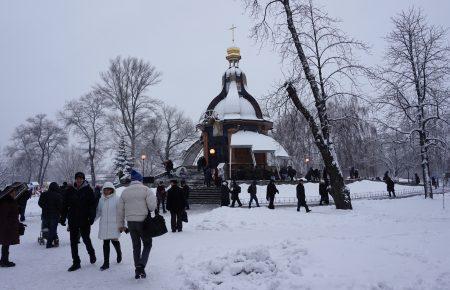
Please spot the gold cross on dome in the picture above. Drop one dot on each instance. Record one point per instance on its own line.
(232, 28)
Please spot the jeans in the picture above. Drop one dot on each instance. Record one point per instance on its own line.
(176, 222)
(75, 232)
(302, 203)
(107, 248)
(52, 225)
(137, 236)
(253, 197)
(5, 253)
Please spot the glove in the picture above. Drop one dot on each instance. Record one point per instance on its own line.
(62, 222)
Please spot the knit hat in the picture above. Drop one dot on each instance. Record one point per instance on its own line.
(135, 176)
(80, 175)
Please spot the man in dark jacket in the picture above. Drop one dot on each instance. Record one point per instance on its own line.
(224, 194)
(208, 176)
(323, 191)
(201, 163)
(235, 190)
(252, 190)
(270, 193)
(390, 186)
(176, 205)
(22, 203)
(291, 172)
(301, 197)
(79, 207)
(186, 190)
(417, 178)
(161, 197)
(51, 204)
(9, 226)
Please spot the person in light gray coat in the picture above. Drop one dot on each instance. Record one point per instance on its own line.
(135, 204)
(108, 228)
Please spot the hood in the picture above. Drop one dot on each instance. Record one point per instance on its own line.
(53, 187)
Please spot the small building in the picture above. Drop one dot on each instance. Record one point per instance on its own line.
(235, 130)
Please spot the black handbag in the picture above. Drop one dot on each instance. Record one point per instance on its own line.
(184, 217)
(154, 226)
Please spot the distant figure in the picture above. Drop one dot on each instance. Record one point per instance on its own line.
(176, 205)
(309, 174)
(417, 178)
(224, 194)
(390, 186)
(291, 172)
(201, 163)
(168, 164)
(356, 174)
(386, 175)
(22, 202)
(323, 191)
(208, 176)
(270, 193)
(252, 190)
(433, 182)
(301, 197)
(316, 175)
(161, 197)
(235, 190)
(283, 173)
(352, 172)
(186, 190)
(51, 203)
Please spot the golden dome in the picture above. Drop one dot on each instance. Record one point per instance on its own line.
(233, 55)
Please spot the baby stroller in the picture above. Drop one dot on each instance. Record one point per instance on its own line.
(43, 236)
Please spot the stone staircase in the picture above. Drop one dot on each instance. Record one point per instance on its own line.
(200, 194)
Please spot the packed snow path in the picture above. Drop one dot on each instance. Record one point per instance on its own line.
(381, 244)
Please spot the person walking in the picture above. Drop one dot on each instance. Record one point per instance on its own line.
(51, 203)
(176, 205)
(108, 229)
(186, 190)
(235, 190)
(224, 194)
(270, 193)
(252, 190)
(22, 201)
(208, 176)
(201, 163)
(161, 197)
(323, 191)
(417, 178)
(390, 186)
(301, 197)
(135, 204)
(79, 208)
(9, 225)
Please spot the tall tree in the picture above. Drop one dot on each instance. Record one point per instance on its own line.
(68, 162)
(123, 161)
(42, 137)
(322, 65)
(86, 116)
(414, 84)
(125, 85)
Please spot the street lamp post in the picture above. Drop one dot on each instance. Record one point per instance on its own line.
(143, 157)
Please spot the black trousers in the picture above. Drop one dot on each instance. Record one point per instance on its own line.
(253, 197)
(137, 238)
(75, 232)
(176, 222)
(393, 193)
(271, 202)
(5, 253)
(302, 203)
(234, 199)
(161, 202)
(107, 249)
(324, 199)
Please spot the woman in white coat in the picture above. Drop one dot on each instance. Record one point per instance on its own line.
(108, 229)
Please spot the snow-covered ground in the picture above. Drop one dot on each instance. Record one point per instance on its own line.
(381, 244)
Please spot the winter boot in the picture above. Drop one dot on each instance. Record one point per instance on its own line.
(7, 264)
(105, 266)
(92, 259)
(74, 267)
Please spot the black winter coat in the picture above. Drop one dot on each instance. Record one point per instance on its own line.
(390, 184)
(79, 206)
(9, 221)
(322, 189)
(235, 190)
(301, 192)
(175, 199)
(225, 195)
(252, 189)
(51, 203)
(271, 190)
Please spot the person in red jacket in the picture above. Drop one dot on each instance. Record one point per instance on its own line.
(9, 225)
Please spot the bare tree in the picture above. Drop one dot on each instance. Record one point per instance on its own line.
(23, 153)
(413, 83)
(87, 117)
(68, 162)
(38, 139)
(125, 86)
(322, 65)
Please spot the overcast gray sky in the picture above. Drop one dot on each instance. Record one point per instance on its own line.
(53, 51)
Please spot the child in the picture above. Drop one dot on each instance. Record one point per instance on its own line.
(108, 229)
